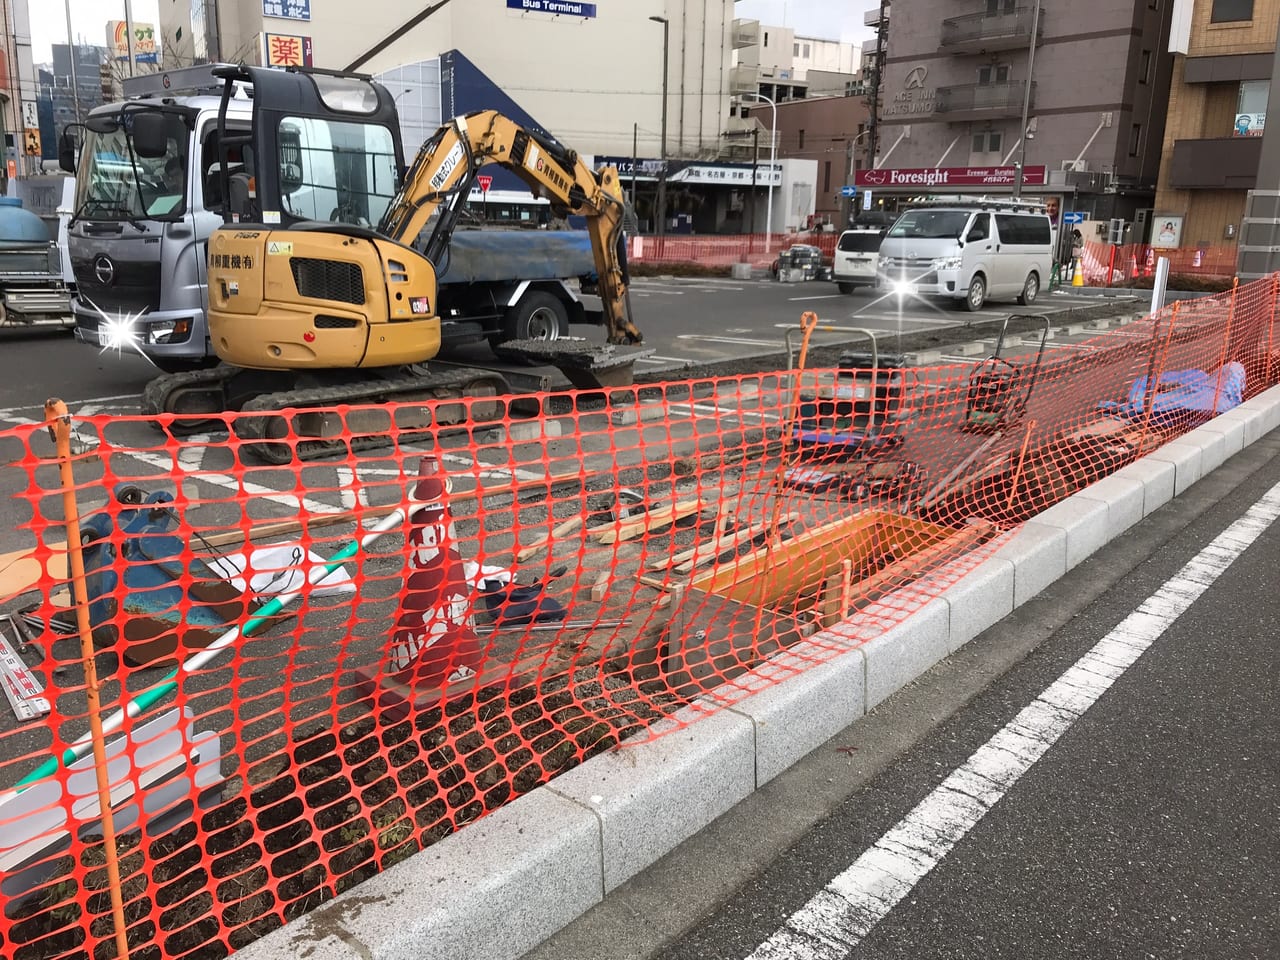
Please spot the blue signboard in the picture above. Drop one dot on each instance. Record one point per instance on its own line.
(287, 9)
(563, 8)
(848, 191)
(1073, 216)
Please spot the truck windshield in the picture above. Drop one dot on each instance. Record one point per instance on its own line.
(114, 183)
(930, 224)
(336, 171)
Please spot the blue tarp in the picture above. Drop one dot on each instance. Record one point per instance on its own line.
(479, 256)
(1184, 393)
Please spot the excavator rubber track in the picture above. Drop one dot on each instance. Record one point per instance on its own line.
(321, 427)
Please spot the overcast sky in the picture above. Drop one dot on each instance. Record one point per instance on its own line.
(824, 19)
(88, 20)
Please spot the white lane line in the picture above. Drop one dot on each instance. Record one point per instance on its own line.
(732, 412)
(829, 296)
(658, 359)
(841, 915)
(488, 470)
(256, 490)
(352, 494)
(73, 406)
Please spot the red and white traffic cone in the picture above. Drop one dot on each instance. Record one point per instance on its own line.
(434, 643)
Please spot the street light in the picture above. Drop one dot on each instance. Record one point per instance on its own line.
(662, 173)
(1026, 100)
(773, 153)
(850, 214)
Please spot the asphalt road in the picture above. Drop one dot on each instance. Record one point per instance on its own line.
(1146, 829)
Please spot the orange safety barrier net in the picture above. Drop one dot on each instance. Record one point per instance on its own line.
(669, 556)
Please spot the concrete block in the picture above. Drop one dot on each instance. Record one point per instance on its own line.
(740, 271)
(495, 889)
(974, 348)
(1250, 420)
(795, 715)
(630, 416)
(904, 652)
(530, 431)
(1212, 444)
(1124, 497)
(1039, 557)
(1157, 478)
(981, 599)
(1085, 522)
(924, 358)
(1231, 432)
(1268, 404)
(652, 796)
(1185, 458)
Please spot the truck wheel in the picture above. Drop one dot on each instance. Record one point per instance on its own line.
(538, 316)
(1030, 289)
(846, 288)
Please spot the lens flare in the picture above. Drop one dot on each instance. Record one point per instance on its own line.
(121, 332)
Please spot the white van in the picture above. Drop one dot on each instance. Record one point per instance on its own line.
(970, 253)
(854, 263)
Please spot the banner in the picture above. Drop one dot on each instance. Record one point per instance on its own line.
(280, 50)
(949, 177)
(144, 41)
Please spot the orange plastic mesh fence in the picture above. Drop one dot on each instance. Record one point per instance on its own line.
(673, 548)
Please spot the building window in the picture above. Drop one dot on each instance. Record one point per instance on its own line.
(826, 177)
(1251, 108)
(994, 73)
(988, 141)
(1144, 67)
(1231, 11)
(802, 138)
(1135, 139)
(795, 49)
(997, 7)
(766, 38)
(806, 51)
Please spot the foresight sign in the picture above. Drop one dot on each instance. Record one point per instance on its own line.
(561, 8)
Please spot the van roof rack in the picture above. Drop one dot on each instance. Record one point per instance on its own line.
(987, 203)
(186, 81)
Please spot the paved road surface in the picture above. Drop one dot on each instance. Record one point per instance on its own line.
(1146, 828)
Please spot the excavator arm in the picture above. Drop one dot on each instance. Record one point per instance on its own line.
(447, 164)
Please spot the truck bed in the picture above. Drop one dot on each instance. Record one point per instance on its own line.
(490, 256)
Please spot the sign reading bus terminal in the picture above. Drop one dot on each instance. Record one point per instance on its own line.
(934, 177)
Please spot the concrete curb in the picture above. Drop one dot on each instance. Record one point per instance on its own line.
(501, 886)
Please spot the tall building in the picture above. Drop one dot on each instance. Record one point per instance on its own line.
(19, 111)
(1223, 55)
(782, 65)
(953, 92)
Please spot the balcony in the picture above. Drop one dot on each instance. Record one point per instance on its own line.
(746, 33)
(744, 79)
(982, 101)
(1220, 163)
(872, 17)
(989, 33)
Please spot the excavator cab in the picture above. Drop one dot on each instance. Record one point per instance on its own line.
(299, 278)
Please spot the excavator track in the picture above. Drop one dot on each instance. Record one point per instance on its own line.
(196, 397)
(321, 429)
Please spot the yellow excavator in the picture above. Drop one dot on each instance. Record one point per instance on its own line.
(322, 279)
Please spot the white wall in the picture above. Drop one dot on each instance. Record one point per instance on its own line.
(587, 81)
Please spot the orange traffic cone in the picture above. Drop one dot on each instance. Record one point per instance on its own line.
(434, 643)
(1133, 265)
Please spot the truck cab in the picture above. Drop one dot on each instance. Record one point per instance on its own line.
(142, 218)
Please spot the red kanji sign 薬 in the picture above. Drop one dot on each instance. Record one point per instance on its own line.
(287, 51)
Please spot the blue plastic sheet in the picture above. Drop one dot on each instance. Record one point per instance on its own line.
(1183, 395)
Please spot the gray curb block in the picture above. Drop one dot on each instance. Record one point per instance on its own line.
(501, 886)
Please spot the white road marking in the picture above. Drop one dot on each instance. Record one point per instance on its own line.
(657, 359)
(829, 296)
(735, 340)
(256, 490)
(488, 470)
(838, 917)
(73, 406)
(733, 412)
(352, 494)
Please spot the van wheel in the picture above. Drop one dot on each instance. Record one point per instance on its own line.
(538, 316)
(1030, 289)
(977, 294)
(846, 287)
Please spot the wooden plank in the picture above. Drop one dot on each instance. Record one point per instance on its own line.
(735, 539)
(562, 530)
(650, 522)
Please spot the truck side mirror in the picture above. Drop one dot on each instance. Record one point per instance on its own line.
(67, 152)
(150, 136)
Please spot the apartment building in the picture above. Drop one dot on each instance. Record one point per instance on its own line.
(1223, 54)
(782, 65)
(952, 93)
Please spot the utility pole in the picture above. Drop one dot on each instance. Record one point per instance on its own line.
(128, 33)
(755, 167)
(71, 52)
(1026, 99)
(635, 160)
(662, 173)
(877, 81)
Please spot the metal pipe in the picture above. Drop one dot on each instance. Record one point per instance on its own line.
(128, 32)
(662, 172)
(71, 54)
(1026, 98)
(773, 156)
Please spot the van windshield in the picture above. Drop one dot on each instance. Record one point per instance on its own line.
(859, 242)
(931, 224)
